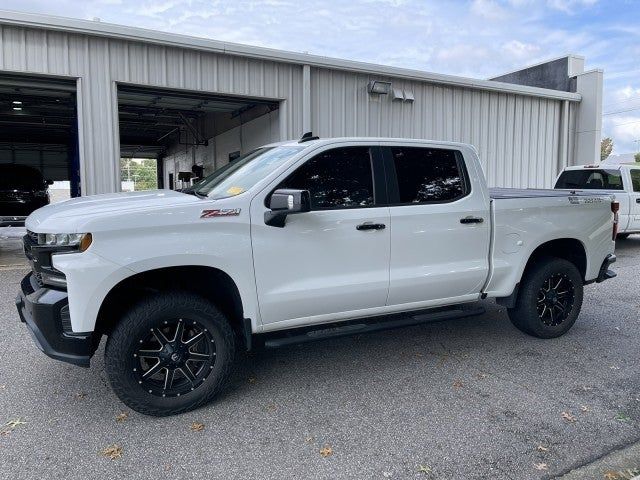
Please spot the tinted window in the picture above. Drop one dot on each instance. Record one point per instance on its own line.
(428, 175)
(338, 178)
(590, 179)
(635, 180)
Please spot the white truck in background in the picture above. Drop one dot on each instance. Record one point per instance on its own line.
(295, 241)
(622, 182)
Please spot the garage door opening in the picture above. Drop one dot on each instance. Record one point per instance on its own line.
(38, 143)
(173, 138)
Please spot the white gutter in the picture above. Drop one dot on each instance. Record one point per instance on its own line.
(86, 27)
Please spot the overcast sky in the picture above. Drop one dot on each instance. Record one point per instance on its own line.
(475, 38)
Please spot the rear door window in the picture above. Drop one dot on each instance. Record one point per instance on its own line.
(590, 179)
(429, 175)
(635, 179)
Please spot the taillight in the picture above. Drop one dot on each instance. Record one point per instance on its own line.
(615, 206)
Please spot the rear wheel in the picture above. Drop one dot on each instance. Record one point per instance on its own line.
(622, 236)
(549, 299)
(169, 354)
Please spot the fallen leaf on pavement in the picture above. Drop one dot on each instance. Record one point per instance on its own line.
(15, 423)
(585, 408)
(326, 451)
(272, 407)
(568, 417)
(121, 417)
(80, 395)
(458, 384)
(541, 466)
(426, 469)
(252, 379)
(197, 427)
(112, 452)
(542, 448)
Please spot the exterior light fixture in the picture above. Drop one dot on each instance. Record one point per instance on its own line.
(378, 87)
(17, 102)
(17, 108)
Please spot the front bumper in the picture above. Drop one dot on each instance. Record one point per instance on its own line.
(45, 312)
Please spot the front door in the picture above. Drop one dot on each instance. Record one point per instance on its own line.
(440, 227)
(321, 263)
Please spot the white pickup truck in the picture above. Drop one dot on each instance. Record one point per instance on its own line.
(293, 240)
(622, 182)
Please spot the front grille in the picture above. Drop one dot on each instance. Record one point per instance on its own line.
(33, 236)
(38, 278)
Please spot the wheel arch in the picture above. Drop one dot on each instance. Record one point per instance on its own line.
(570, 249)
(208, 282)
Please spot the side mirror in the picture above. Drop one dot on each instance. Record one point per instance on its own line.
(49, 182)
(285, 202)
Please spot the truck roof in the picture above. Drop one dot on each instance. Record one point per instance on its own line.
(602, 166)
(331, 140)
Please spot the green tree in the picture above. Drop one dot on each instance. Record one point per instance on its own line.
(636, 157)
(142, 172)
(606, 145)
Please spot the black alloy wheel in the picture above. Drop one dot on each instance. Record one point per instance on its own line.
(549, 298)
(555, 299)
(169, 353)
(174, 358)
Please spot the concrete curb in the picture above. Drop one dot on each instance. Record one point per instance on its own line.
(622, 464)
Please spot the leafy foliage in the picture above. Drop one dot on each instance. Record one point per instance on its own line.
(606, 146)
(142, 172)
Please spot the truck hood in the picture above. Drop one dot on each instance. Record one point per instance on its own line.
(96, 206)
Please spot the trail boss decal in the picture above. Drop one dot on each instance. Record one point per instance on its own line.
(220, 212)
(585, 200)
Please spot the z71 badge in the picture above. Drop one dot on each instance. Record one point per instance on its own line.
(220, 212)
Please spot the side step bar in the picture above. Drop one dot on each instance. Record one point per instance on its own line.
(336, 330)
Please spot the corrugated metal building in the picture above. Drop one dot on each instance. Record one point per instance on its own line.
(102, 92)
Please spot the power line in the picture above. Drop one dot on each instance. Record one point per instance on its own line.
(625, 123)
(621, 111)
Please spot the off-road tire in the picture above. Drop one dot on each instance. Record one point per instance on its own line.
(150, 313)
(526, 315)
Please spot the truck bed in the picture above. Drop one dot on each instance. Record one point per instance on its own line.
(502, 193)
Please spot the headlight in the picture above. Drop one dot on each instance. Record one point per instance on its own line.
(80, 240)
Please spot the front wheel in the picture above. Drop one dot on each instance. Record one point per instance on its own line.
(170, 353)
(549, 298)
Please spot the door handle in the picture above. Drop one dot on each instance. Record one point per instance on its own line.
(470, 219)
(371, 226)
(638, 200)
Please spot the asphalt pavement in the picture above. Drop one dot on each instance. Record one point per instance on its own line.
(468, 398)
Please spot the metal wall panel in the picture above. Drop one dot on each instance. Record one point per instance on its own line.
(100, 62)
(517, 136)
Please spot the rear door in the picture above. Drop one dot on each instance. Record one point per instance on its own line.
(330, 260)
(440, 226)
(634, 199)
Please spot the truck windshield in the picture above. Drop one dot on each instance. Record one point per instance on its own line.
(242, 174)
(590, 179)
